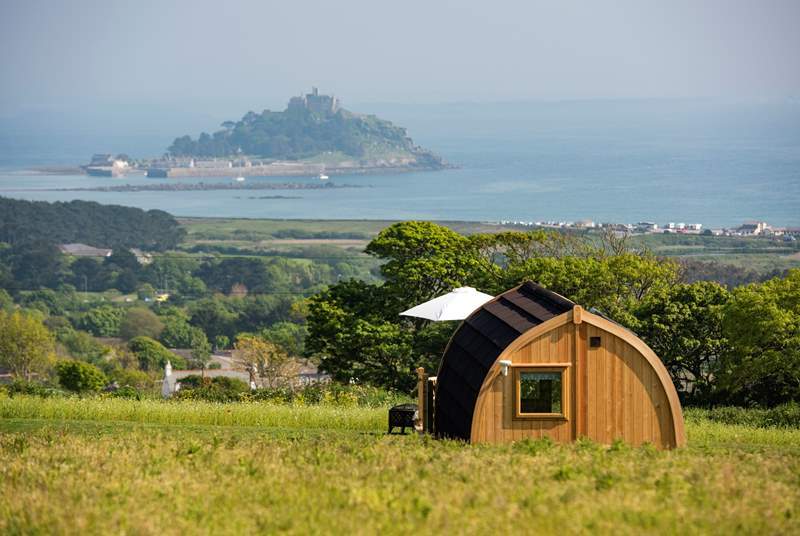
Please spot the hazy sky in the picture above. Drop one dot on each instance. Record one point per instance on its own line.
(254, 54)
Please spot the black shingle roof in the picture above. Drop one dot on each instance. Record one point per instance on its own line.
(478, 342)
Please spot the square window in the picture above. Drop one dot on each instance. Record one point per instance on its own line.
(540, 392)
(594, 342)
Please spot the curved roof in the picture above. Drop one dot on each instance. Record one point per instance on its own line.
(478, 342)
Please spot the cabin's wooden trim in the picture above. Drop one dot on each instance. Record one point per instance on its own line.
(658, 367)
(577, 313)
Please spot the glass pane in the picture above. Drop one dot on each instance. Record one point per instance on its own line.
(540, 392)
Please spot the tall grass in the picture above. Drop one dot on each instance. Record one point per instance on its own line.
(79, 478)
(783, 416)
(262, 414)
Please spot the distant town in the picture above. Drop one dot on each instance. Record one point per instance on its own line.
(747, 229)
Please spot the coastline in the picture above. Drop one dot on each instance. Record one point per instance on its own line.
(277, 169)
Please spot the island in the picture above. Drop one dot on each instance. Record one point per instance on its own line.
(313, 136)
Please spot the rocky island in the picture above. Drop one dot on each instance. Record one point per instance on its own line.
(314, 135)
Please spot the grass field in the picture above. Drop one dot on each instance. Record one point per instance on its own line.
(76, 466)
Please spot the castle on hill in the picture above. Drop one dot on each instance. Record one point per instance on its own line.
(314, 102)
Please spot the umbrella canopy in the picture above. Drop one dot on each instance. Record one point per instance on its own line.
(455, 305)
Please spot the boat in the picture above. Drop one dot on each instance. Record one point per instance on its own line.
(239, 179)
(323, 177)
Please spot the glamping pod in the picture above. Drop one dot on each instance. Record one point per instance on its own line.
(531, 363)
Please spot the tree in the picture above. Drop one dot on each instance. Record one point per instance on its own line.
(355, 334)
(423, 259)
(139, 321)
(201, 351)
(26, 345)
(79, 376)
(221, 342)
(354, 328)
(89, 275)
(683, 326)
(83, 346)
(152, 355)
(36, 264)
(212, 317)
(146, 292)
(177, 333)
(265, 360)
(103, 321)
(290, 337)
(762, 325)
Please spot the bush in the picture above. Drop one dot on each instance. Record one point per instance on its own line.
(217, 389)
(152, 355)
(79, 376)
(22, 387)
(130, 378)
(330, 394)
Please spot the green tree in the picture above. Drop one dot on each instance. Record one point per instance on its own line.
(152, 356)
(146, 292)
(79, 376)
(83, 346)
(177, 333)
(201, 351)
(289, 336)
(762, 325)
(683, 326)
(139, 321)
(103, 321)
(423, 259)
(221, 342)
(354, 335)
(213, 317)
(26, 346)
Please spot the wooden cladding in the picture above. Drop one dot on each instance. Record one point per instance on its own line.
(615, 390)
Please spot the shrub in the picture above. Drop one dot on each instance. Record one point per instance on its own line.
(79, 376)
(217, 389)
(103, 321)
(130, 378)
(330, 394)
(152, 355)
(23, 387)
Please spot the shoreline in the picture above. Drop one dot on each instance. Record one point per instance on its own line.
(196, 186)
(278, 169)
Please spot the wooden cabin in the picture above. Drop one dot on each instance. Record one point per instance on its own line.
(531, 363)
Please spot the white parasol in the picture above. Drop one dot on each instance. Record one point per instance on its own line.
(455, 305)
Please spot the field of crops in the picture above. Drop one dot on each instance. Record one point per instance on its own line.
(71, 466)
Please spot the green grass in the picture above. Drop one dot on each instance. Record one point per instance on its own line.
(259, 414)
(71, 466)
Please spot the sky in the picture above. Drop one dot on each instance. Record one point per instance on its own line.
(235, 55)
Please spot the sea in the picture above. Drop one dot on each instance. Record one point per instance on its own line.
(710, 161)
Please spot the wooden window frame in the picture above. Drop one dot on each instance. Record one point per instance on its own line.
(563, 368)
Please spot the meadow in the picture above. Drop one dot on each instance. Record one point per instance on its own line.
(74, 465)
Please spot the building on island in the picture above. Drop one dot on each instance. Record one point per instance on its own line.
(314, 102)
